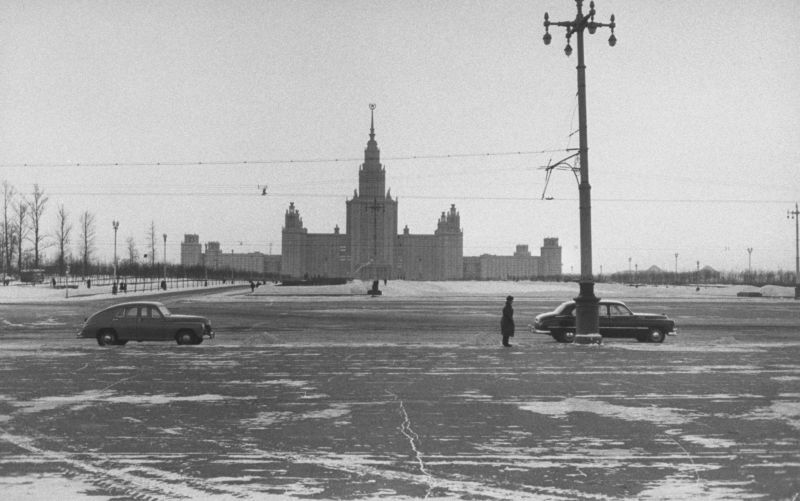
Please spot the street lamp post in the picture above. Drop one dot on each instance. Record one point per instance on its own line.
(587, 321)
(165, 259)
(115, 224)
(749, 263)
(795, 214)
(676, 268)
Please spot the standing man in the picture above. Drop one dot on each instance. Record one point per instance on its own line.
(507, 322)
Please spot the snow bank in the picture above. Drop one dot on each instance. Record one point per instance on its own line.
(410, 289)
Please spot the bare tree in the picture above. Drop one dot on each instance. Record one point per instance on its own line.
(9, 193)
(37, 206)
(21, 227)
(63, 230)
(151, 242)
(133, 253)
(87, 236)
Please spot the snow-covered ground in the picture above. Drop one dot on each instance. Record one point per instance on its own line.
(19, 293)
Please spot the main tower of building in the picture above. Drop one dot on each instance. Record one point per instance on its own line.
(372, 217)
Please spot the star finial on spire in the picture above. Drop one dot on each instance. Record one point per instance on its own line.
(372, 121)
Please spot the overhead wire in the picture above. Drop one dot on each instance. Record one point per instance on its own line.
(273, 161)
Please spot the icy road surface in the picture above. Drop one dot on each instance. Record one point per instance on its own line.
(358, 398)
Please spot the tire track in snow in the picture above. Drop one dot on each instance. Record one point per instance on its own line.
(138, 482)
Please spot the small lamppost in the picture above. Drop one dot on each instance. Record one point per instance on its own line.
(115, 224)
(794, 215)
(676, 268)
(165, 260)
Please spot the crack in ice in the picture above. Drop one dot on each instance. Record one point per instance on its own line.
(413, 439)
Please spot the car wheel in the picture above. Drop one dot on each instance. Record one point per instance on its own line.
(107, 337)
(642, 337)
(564, 336)
(186, 337)
(655, 336)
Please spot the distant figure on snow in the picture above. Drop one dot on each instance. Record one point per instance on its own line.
(507, 322)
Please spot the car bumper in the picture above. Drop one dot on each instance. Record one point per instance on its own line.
(538, 330)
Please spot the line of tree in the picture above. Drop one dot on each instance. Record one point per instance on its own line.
(757, 278)
(22, 222)
(23, 238)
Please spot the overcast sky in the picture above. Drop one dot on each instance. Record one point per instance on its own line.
(693, 119)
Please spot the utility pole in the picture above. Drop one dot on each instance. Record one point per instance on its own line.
(749, 262)
(676, 268)
(165, 259)
(115, 224)
(795, 214)
(587, 320)
(698, 276)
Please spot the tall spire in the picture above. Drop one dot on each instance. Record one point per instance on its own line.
(371, 176)
(372, 122)
(372, 154)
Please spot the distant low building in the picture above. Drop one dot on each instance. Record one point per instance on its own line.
(214, 259)
(519, 266)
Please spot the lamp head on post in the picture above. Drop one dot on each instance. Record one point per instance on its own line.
(547, 37)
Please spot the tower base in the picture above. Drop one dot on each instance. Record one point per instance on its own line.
(587, 315)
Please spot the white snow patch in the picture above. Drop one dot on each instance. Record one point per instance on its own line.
(88, 398)
(266, 419)
(709, 442)
(682, 488)
(45, 487)
(781, 410)
(653, 413)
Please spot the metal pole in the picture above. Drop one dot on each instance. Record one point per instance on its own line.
(796, 215)
(676, 268)
(115, 224)
(165, 257)
(587, 321)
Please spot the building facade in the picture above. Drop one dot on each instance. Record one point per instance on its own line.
(370, 248)
(519, 266)
(215, 259)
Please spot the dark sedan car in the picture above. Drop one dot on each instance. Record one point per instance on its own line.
(616, 320)
(144, 321)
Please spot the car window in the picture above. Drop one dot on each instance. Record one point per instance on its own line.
(152, 312)
(164, 310)
(563, 308)
(617, 310)
(131, 311)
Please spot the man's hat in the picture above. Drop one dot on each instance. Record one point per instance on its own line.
(510, 298)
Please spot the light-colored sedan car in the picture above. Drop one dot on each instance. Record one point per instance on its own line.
(144, 321)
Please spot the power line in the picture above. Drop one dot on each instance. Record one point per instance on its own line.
(414, 197)
(269, 162)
